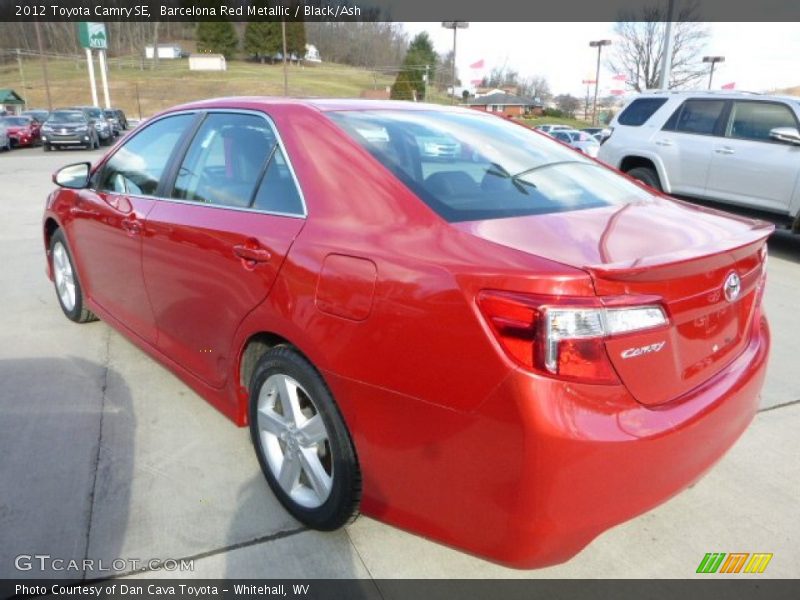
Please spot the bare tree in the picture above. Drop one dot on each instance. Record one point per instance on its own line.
(567, 104)
(535, 86)
(638, 50)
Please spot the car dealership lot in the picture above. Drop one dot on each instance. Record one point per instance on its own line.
(106, 455)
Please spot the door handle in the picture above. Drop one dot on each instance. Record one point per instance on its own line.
(725, 150)
(663, 142)
(252, 254)
(132, 226)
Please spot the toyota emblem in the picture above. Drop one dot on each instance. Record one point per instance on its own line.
(732, 287)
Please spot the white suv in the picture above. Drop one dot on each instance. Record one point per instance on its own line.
(735, 148)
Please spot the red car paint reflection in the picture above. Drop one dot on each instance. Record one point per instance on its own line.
(526, 347)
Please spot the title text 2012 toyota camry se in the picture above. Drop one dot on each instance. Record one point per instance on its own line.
(432, 315)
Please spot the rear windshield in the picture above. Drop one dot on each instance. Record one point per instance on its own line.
(640, 110)
(468, 166)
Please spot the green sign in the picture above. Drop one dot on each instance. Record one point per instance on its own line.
(93, 35)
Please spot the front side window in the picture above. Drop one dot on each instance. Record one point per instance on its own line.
(226, 160)
(137, 167)
(697, 116)
(751, 120)
(470, 166)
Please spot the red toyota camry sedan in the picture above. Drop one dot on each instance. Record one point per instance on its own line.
(437, 317)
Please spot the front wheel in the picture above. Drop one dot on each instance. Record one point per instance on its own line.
(646, 175)
(68, 287)
(46, 147)
(301, 441)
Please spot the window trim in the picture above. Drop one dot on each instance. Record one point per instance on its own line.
(719, 124)
(733, 101)
(167, 183)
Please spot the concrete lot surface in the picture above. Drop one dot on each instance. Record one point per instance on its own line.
(104, 454)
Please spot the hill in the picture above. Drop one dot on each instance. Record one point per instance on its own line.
(139, 90)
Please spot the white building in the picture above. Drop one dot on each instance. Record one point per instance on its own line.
(207, 62)
(312, 54)
(166, 51)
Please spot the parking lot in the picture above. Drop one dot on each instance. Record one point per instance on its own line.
(106, 455)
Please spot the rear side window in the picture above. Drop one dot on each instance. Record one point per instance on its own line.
(639, 111)
(235, 160)
(471, 166)
(136, 167)
(754, 120)
(226, 160)
(697, 116)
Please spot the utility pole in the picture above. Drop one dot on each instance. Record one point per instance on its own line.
(285, 68)
(666, 59)
(455, 26)
(44, 65)
(599, 45)
(22, 77)
(427, 80)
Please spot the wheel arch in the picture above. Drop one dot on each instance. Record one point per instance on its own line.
(631, 161)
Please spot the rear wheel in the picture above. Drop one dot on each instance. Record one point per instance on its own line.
(646, 175)
(302, 442)
(65, 278)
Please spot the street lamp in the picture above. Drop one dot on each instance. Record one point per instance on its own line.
(455, 26)
(599, 45)
(713, 60)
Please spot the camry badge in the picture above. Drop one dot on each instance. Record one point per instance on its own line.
(642, 350)
(732, 287)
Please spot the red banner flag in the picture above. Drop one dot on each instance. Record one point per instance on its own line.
(477, 65)
(729, 86)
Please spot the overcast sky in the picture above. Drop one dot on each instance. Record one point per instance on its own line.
(758, 56)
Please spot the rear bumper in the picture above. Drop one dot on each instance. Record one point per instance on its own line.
(542, 467)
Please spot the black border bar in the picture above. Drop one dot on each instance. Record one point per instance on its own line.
(389, 10)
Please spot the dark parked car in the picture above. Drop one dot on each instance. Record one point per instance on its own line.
(69, 127)
(112, 118)
(508, 349)
(105, 132)
(39, 114)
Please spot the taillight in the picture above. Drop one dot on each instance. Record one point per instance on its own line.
(565, 336)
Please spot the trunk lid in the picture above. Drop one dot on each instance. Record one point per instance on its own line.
(689, 257)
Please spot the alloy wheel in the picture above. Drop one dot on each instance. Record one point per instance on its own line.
(295, 441)
(65, 279)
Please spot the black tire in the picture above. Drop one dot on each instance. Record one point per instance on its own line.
(46, 147)
(78, 313)
(646, 175)
(341, 505)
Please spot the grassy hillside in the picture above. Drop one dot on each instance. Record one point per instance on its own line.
(576, 123)
(147, 91)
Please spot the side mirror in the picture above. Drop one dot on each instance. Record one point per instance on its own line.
(789, 135)
(74, 177)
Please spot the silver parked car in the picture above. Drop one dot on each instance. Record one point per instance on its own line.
(5, 140)
(735, 148)
(580, 140)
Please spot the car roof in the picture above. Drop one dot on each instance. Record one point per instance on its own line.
(718, 94)
(321, 104)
